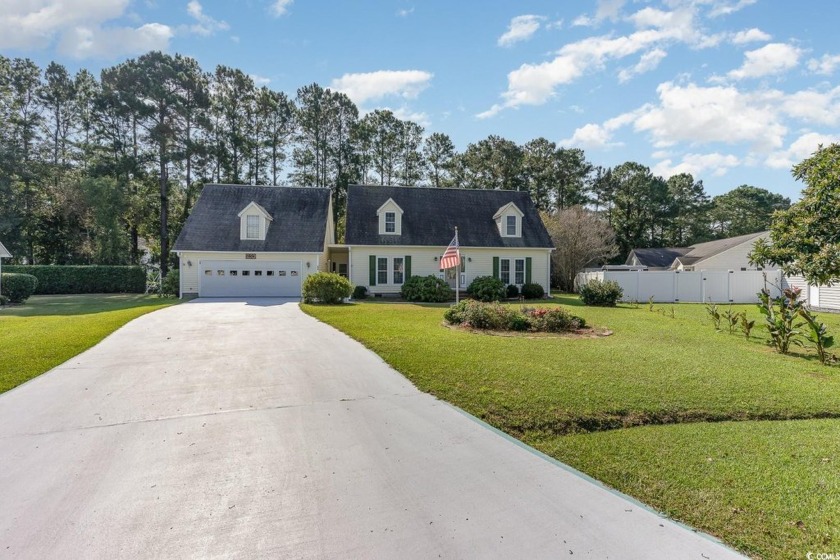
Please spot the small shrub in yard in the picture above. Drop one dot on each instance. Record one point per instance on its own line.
(746, 325)
(481, 315)
(555, 319)
(782, 323)
(487, 288)
(532, 291)
(326, 287)
(171, 285)
(601, 294)
(455, 314)
(426, 289)
(4, 300)
(817, 335)
(18, 287)
(495, 316)
(512, 291)
(360, 292)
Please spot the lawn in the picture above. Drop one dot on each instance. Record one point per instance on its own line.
(48, 330)
(562, 395)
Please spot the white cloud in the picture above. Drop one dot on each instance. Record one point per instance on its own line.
(280, 7)
(812, 106)
(35, 24)
(773, 58)
(404, 113)
(649, 61)
(112, 42)
(697, 164)
(204, 25)
(607, 9)
(521, 28)
(801, 148)
(259, 80)
(598, 136)
(367, 86)
(753, 35)
(723, 8)
(825, 65)
(405, 12)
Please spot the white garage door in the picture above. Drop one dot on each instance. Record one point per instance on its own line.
(249, 279)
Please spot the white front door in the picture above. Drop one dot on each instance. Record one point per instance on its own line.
(249, 279)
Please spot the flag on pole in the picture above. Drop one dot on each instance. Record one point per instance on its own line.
(452, 256)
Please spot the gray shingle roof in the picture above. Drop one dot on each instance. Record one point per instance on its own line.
(299, 225)
(700, 251)
(431, 215)
(659, 257)
(665, 256)
(4, 253)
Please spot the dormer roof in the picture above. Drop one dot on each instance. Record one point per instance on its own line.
(510, 206)
(254, 206)
(388, 205)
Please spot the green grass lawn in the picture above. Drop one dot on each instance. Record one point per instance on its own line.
(561, 394)
(48, 330)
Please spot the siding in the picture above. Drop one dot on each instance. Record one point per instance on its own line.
(189, 274)
(733, 258)
(830, 297)
(423, 263)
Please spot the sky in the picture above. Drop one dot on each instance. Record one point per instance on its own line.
(732, 91)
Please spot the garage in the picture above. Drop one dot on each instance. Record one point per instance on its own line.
(249, 278)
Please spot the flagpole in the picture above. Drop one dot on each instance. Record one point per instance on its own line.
(457, 268)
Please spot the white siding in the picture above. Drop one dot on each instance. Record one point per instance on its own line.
(830, 297)
(734, 258)
(189, 274)
(478, 262)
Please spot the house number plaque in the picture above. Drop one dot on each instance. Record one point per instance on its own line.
(250, 256)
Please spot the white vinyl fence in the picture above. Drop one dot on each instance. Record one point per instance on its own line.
(669, 286)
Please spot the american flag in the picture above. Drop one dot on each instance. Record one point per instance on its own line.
(452, 256)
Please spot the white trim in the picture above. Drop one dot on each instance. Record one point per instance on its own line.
(501, 211)
(391, 202)
(382, 212)
(259, 209)
(444, 245)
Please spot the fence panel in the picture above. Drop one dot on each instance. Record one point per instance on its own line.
(658, 285)
(689, 286)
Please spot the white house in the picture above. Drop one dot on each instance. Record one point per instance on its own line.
(396, 232)
(721, 254)
(243, 240)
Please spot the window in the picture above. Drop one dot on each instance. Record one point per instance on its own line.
(246, 272)
(253, 227)
(233, 272)
(511, 225)
(390, 222)
(342, 269)
(220, 273)
(504, 271)
(398, 270)
(258, 273)
(281, 273)
(520, 272)
(381, 270)
(208, 273)
(269, 273)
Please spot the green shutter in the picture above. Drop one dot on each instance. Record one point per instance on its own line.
(527, 270)
(372, 270)
(407, 267)
(495, 267)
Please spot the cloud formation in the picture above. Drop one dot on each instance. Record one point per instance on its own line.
(280, 7)
(370, 86)
(521, 28)
(204, 25)
(773, 58)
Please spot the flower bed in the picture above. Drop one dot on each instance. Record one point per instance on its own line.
(494, 316)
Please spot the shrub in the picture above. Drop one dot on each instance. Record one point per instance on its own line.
(481, 315)
(782, 323)
(487, 288)
(532, 291)
(97, 279)
(4, 300)
(555, 319)
(171, 285)
(495, 316)
(18, 287)
(326, 287)
(455, 315)
(512, 291)
(601, 294)
(426, 288)
(360, 292)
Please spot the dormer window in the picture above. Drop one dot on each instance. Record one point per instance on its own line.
(390, 218)
(253, 227)
(511, 225)
(509, 220)
(254, 222)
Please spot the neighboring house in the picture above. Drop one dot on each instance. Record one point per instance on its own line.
(245, 240)
(721, 254)
(4, 254)
(396, 232)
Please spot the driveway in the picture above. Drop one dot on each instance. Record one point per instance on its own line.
(247, 429)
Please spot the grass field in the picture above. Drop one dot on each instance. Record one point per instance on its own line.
(766, 489)
(48, 330)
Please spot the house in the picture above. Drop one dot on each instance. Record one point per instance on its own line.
(243, 240)
(721, 254)
(4, 254)
(396, 232)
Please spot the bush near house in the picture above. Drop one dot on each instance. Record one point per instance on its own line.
(601, 294)
(512, 291)
(532, 291)
(171, 285)
(326, 287)
(18, 287)
(426, 289)
(495, 316)
(487, 288)
(360, 292)
(95, 279)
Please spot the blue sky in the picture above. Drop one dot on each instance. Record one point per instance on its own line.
(732, 91)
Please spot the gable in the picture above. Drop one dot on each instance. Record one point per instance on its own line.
(390, 218)
(253, 222)
(430, 216)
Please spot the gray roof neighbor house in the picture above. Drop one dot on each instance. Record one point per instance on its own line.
(699, 254)
(429, 217)
(298, 219)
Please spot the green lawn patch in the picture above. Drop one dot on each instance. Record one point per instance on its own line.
(49, 330)
(762, 486)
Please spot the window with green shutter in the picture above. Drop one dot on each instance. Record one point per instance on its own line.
(372, 276)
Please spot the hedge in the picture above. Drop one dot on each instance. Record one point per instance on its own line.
(96, 279)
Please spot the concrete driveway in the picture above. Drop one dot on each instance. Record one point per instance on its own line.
(246, 429)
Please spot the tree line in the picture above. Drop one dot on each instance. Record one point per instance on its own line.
(91, 169)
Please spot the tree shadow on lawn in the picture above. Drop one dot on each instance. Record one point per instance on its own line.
(80, 304)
